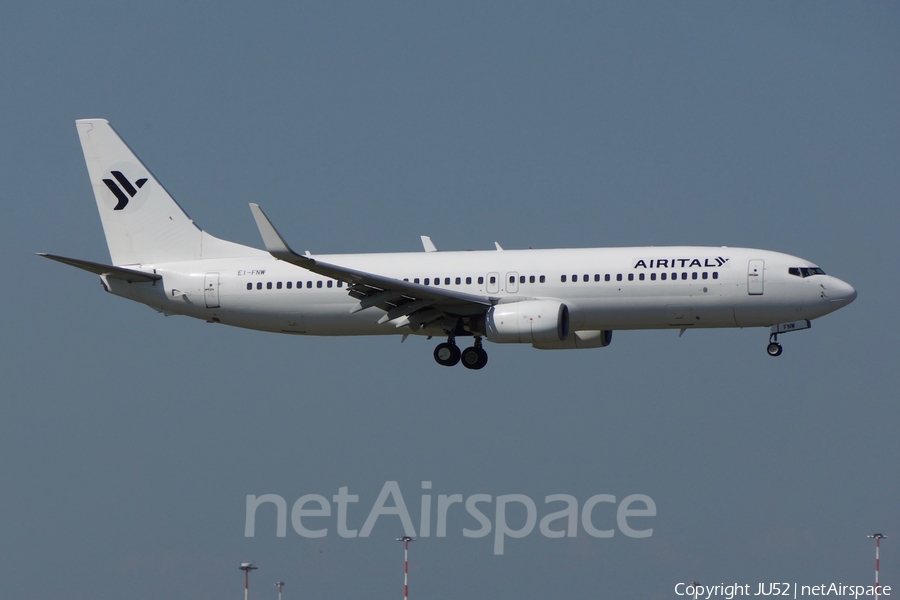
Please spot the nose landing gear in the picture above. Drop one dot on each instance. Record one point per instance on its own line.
(774, 348)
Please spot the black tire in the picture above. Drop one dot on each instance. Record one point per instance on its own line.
(774, 349)
(474, 358)
(447, 354)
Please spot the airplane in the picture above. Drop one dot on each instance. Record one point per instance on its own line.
(551, 299)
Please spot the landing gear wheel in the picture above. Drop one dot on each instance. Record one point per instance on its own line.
(447, 354)
(774, 349)
(474, 357)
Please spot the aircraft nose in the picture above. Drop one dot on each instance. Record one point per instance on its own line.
(841, 292)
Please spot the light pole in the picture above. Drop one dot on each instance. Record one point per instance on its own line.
(406, 540)
(877, 537)
(280, 586)
(246, 568)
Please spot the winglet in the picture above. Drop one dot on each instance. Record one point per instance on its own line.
(273, 241)
(497, 244)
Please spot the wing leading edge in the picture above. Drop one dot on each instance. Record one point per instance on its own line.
(404, 303)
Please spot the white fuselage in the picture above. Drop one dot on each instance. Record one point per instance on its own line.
(604, 288)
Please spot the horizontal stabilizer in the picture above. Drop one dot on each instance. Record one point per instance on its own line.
(110, 272)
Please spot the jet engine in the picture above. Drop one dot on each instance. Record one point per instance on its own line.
(528, 322)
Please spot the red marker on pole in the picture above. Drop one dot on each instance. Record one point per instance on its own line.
(406, 540)
(246, 568)
(877, 537)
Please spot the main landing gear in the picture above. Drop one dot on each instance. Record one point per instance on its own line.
(449, 354)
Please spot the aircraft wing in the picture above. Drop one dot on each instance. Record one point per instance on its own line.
(410, 303)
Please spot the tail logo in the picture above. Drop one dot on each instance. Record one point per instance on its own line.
(126, 187)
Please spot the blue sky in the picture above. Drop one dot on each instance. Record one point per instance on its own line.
(130, 441)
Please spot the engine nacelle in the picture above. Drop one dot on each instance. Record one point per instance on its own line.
(587, 338)
(529, 321)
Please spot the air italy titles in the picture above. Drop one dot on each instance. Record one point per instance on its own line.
(680, 263)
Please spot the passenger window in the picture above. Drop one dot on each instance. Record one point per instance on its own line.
(574, 277)
(458, 280)
(319, 283)
(416, 280)
(493, 279)
(437, 281)
(619, 277)
(481, 280)
(715, 274)
(597, 277)
(278, 285)
(522, 279)
(684, 275)
(249, 286)
(641, 276)
(662, 276)
(330, 283)
(652, 276)
(631, 277)
(674, 276)
(512, 278)
(694, 275)
(309, 284)
(468, 281)
(543, 279)
(290, 285)
(705, 275)
(531, 279)
(427, 281)
(562, 278)
(268, 285)
(606, 277)
(446, 281)
(259, 285)
(340, 284)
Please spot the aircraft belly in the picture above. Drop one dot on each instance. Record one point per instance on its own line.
(652, 313)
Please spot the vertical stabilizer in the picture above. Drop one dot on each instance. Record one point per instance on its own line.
(141, 221)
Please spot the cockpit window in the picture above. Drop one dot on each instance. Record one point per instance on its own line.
(805, 271)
